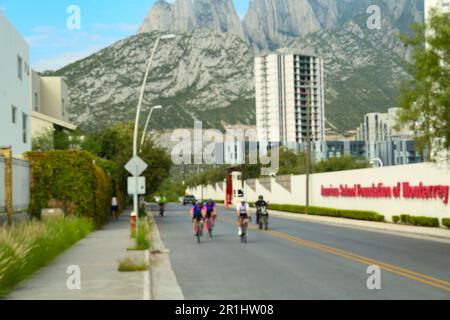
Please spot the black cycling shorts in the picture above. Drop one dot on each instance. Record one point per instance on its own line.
(197, 217)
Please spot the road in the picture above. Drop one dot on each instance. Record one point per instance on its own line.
(301, 260)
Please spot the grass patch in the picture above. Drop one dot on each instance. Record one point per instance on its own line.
(142, 237)
(132, 265)
(26, 247)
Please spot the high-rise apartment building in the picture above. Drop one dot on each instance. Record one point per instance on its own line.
(290, 99)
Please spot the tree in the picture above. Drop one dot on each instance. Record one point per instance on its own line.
(340, 164)
(115, 144)
(425, 99)
(43, 142)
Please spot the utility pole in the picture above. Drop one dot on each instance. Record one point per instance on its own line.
(308, 145)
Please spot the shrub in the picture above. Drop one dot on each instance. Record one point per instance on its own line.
(72, 181)
(329, 212)
(420, 221)
(396, 219)
(446, 222)
(28, 246)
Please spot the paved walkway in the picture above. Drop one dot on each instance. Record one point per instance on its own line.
(97, 256)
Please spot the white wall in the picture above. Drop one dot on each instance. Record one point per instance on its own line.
(13, 91)
(429, 174)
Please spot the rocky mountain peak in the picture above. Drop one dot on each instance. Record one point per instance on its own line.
(186, 15)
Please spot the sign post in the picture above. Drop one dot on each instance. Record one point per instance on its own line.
(136, 166)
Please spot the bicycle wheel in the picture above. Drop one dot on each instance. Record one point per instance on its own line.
(198, 231)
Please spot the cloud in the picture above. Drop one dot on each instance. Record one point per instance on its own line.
(58, 61)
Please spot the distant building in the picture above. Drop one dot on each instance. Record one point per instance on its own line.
(14, 89)
(383, 140)
(289, 98)
(50, 102)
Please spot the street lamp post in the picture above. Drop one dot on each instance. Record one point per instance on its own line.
(377, 160)
(147, 123)
(136, 124)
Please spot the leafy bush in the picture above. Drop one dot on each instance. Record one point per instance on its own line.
(28, 246)
(446, 222)
(329, 212)
(72, 181)
(396, 219)
(420, 221)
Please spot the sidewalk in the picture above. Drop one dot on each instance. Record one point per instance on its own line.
(432, 234)
(98, 258)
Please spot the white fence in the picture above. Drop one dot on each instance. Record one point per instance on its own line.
(418, 189)
(20, 184)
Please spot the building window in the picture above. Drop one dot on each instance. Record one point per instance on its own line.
(24, 127)
(14, 114)
(19, 67)
(36, 102)
(63, 108)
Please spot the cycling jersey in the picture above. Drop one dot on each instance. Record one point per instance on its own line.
(243, 209)
(198, 210)
(210, 207)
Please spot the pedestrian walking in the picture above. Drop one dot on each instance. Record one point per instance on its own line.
(115, 208)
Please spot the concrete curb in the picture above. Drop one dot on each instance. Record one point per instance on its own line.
(431, 234)
(163, 281)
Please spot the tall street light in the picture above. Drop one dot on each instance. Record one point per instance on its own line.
(146, 125)
(138, 111)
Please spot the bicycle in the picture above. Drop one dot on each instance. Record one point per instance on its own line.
(243, 225)
(209, 226)
(198, 234)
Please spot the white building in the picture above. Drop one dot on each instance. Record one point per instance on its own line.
(15, 110)
(50, 102)
(289, 98)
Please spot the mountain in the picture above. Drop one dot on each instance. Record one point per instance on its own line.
(206, 73)
(199, 75)
(187, 15)
(268, 24)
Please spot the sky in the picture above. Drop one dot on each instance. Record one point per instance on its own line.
(43, 24)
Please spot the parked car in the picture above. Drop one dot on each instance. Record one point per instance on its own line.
(189, 200)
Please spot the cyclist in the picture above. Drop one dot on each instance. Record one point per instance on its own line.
(198, 213)
(260, 205)
(243, 214)
(162, 203)
(211, 212)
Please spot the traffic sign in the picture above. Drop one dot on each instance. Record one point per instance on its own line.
(136, 166)
(141, 187)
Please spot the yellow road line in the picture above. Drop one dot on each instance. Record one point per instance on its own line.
(438, 283)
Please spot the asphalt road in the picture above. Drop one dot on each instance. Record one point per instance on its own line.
(301, 260)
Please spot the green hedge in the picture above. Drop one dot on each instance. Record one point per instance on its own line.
(28, 246)
(396, 219)
(419, 221)
(446, 222)
(71, 180)
(329, 212)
